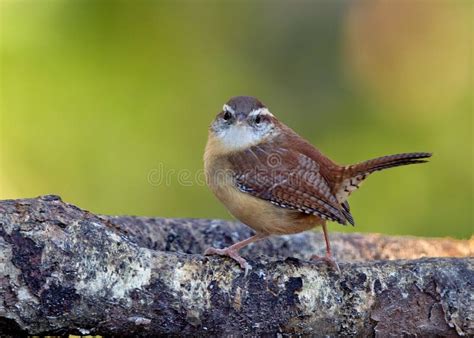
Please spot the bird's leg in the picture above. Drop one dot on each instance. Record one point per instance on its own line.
(328, 258)
(233, 250)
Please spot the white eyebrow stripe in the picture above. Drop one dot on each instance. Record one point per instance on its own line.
(228, 108)
(263, 111)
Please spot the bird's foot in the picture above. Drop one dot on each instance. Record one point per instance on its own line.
(328, 259)
(232, 254)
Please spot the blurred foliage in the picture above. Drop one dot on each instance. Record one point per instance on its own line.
(97, 96)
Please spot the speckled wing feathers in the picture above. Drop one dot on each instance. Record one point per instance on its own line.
(288, 180)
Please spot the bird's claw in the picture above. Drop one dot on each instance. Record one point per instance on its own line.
(328, 259)
(212, 251)
(232, 254)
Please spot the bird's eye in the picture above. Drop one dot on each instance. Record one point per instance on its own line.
(227, 116)
(258, 119)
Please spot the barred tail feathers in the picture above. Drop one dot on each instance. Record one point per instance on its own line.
(385, 162)
(353, 175)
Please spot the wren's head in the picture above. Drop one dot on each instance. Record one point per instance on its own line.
(244, 121)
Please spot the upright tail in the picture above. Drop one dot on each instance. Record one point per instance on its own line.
(384, 162)
(353, 175)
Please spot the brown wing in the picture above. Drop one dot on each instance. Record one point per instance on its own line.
(288, 179)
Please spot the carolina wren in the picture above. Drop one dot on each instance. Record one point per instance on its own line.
(275, 181)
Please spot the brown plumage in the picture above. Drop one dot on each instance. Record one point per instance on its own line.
(275, 181)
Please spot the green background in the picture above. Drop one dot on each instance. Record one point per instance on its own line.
(107, 103)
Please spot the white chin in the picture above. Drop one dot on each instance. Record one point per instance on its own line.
(239, 137)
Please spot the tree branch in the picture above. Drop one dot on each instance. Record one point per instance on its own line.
(65, 270)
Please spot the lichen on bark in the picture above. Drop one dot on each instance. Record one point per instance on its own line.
(66, 270)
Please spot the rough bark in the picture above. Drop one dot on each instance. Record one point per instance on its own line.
(66, 270)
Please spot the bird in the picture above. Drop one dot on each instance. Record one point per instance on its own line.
(276, 182)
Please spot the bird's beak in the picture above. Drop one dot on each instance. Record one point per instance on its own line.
(240, 117)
